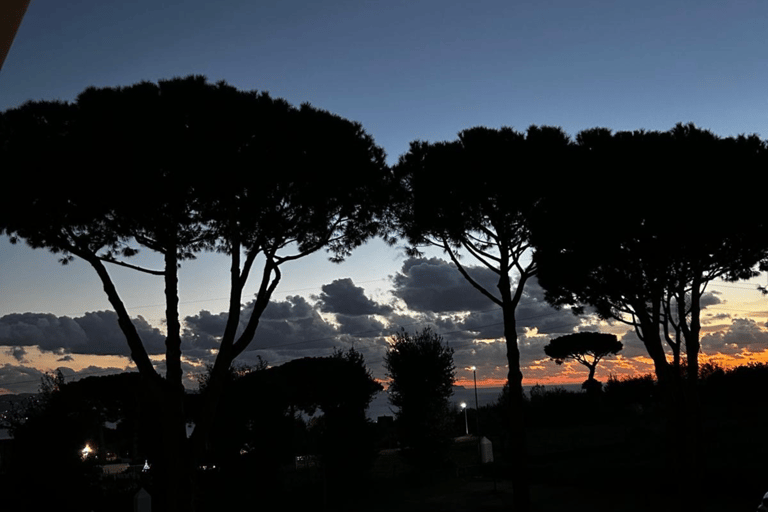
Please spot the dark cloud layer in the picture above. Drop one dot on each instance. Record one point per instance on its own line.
(436, 285)
(93, 333)
(289, 323)
(743, 333)
(432, 292)
(24, 379)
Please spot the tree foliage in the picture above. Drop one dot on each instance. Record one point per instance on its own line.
(421, 372)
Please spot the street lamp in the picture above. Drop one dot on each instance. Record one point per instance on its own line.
(477, 408)
(466, 423)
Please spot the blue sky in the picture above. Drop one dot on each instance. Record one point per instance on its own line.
(405, 70)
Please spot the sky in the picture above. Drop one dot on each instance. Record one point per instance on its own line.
(405, 70)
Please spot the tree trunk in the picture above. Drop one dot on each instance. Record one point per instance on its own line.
(521, 494)
(693, 465)
(174, 472)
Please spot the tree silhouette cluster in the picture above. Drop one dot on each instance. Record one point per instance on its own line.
(193, 167)
(197, 167)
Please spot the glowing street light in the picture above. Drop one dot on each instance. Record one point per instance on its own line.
(86, 452)
(466, 424)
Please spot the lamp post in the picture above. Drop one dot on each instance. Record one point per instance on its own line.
(477, 408)
(466, 423)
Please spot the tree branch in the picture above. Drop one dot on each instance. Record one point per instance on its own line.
(134, 267)
(267, 287)
(447, 248)
(233, 318)
(138, 352)
(479, 255)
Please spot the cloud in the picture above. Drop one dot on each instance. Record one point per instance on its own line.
(743, 333)
(535, 311)
(443, 298)
(49, 332)
(362, 326)
(18, 353)
(19, 379)
(710, 299)
(24, 379)
(292, 323)
(343, 297)
(93, 333)
(633, 345)
(436, 285)
(102, 330)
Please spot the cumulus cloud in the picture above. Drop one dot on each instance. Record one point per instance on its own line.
(343, 297)
(710, 299)
(743, 333)
(93, 333)
(534, 312)
(290, 323)
(633, 345)
(436, 285)
(357, 325)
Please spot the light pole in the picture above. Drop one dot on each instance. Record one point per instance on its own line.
(466, 423)
(477, 408)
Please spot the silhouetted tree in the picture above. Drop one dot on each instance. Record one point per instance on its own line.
(22, 411)
(192, 167)
(475, 195)
(650, 262)
(587, 348)
(422, 374)
(261, 430)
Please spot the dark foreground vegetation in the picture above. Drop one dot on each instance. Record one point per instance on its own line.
(589, 451)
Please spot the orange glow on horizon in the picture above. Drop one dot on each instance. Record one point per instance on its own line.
(621, 367)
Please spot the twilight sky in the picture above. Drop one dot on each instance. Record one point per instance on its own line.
(405, 70)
